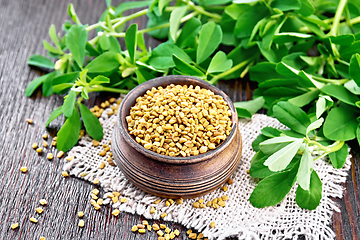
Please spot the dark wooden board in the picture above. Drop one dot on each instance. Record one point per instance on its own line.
(24, 24)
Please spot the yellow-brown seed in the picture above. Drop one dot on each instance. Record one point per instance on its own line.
(39, 150)
(134, 228)
(167, 203)
(221, 203)
(50, 156)
(116, 194)
(110, 195)
(53, 143)
(200, 235)
(152, 210)
(84, 174)
(160, 233)
(157, 201)
(39, 210)
(161, 238)
(45, 136)
(202, 205)
(224, 188)
(212, 224)
(81, 223)
(112, 100)
(148, 227)
(167, 236)
(102, 153)
(167, 230)
(171, 201)
(116, 212)
(163, 226)
(96, 181)
(248, 171)
(208, 203)
(80, 214)
(141, 230)
(177, 232)
(230, 181)
(179, 201)
(42, 238)
(144, 222)
(100, 201)
(45, 144)
(189, 231)
(201, 200)
(29, 120)
(14, 225)
(93, 196)
(34, 220)
(140, 226)
(55, 138)
(172, 235)
(102, 165)
(196, 205)
(163, 215)
(70, 158)
(95, 143)
(65, 174)
(155, 227)
(34, 145)
(95, 191)
(123, 200)
(225, 197)
(43, 202)
(60, 154)
(23, 169)
(115, 199)
(192, 235)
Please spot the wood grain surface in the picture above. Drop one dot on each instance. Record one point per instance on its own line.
(24, 24)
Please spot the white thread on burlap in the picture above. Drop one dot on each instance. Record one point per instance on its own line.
(238, 218)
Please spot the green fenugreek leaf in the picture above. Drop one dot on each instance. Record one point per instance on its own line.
(131, 41)
(75, 40)
(209, 39)
(53, 115)
(69, 103)
(310, 199)
(91, 123)
(175, 18)
(68, 134)
(40, 61)
(305, 168)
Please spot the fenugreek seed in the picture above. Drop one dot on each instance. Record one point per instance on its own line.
(123, 200)
(179, 201)
(39, 210)
(201, 200)
(148, 228)
(34, 220)
(167, 230)
(96, 181)
(141, 230)
(55, 138)
(110, 195)
(171, 201)
(81, 223)
(163, 226)
(115, 199)
(144, 222)
(34, 145)
(42, 238)
(106, 149)
(160, 233)
(84, 174)
(116, 194)
(221, 203)
(202, 205)
(215, 206)
(96, 206)
(65, 174)
(201, 235)
(167, 236)
(39, 150)
(192, 235)
(95, 143)
(134, 228)
(95, 191)
(196, 205)
(80, 214)
(100, 201)
(140, 226)
(167, 203)
(50, 156)
(116, 212)
(45, 144)
(102, 153)
(102, 165)
(53, 143)
(230, 181)
(248, 171)
(29, 120)
(161, 238)
(93, 196)
(60, 154)
(110, 112)
(93, 202)
(45, 136)
(163, 215)
(112, 100)
(152, 210)
(224, 198)
(43, 202)
(155, 227)
(23, 169)
(189, 231)
(14, 225)
(224, 188)
(212, 224)
(157, 201)
(172, 235)
(70, 158)
(208, 203)
(177, 232)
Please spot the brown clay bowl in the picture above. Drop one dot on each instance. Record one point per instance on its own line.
(174, 177)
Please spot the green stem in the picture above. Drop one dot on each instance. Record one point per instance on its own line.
(202, 10)
(333, 81)
(327, 149)
(334, 28)
(216, 78)
(99, 88)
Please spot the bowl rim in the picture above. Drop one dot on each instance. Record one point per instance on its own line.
(165, 81)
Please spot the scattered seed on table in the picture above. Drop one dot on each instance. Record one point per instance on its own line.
(39, 150)
(102, 165)
(39, 210)
(95, 143)
(95, 191)
(196, 205)
(192, 235)
(116, 194)
(202, 205)
(160, 233)
(134, 228)
(23, 169)
(65, 174)
(189, 231)
(148, 228)
(80, 214)
(167, 230)
(163, 215)
(100, 201)
(34, 145)
(167, 236)
(157, 201)
(81, 223)
(167, 203)
(201, 200)
(224, 188)
(177, 232)
(112, 100)
(161, 238)
(115, 199)
(70, 158)
(230, 181)
(163, 226)
(152, 210)
(200, 235)
(179, 201)
(96, 206)
(43, 202)
(93, 196)
(110, 195)
(141, 230)
(29, 120)
(116, 212)
(172, 235)
(123, 200)
(155, 227)
(14, 225)
(224, 198)
(60, 154)
(140, 226)
(44, 136)
(144, 222)
(50, 156)
(84, 174)
(96, 181)
(55, 138)
(42, 238)
(221, 203)
(53, 143)
(102, 153)
(212, 224)
(34, 220)
(45, 144)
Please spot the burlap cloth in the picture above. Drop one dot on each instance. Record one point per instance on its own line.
(238, 218)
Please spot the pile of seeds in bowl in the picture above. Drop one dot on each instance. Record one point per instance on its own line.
(180, 120)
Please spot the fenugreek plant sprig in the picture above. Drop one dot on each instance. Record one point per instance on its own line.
(304, 53)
